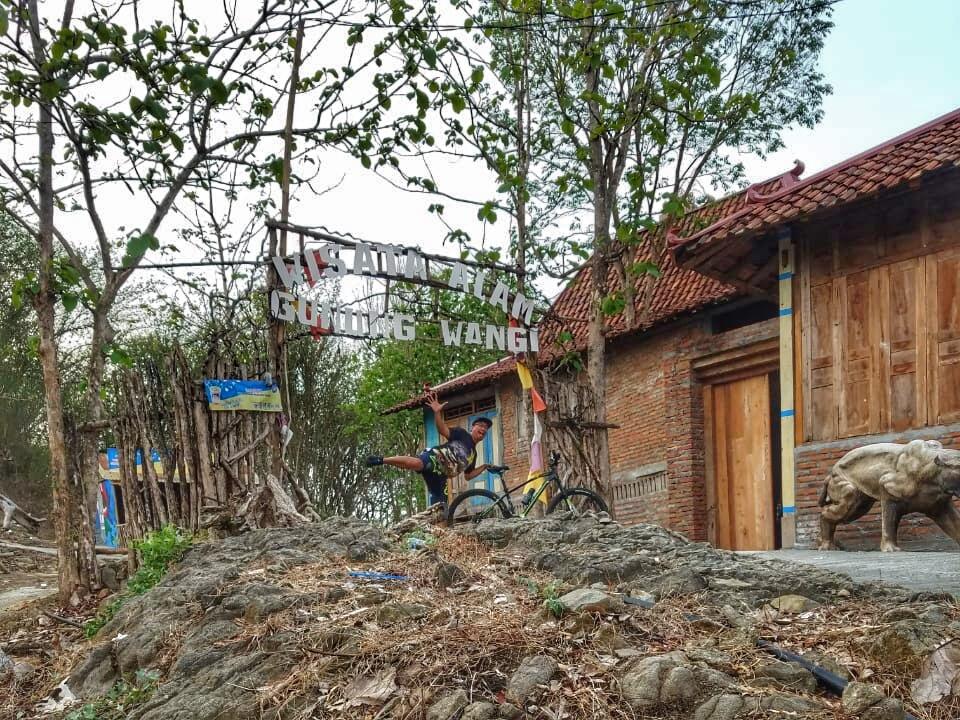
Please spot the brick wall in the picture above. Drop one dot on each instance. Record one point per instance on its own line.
(813, 461)
(516, 448)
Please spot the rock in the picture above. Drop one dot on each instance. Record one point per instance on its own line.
(660, 680)
(828, 663)
(793, 604)
(479, 711)
(716, 659)
(679, 686)
(786, 674)
(373, 596)
(6, 664)
(607, 638)
(708, 677)
(898, 613)
(109, 577)
(509, 711)
(392, 613)
(335, 594)
(736, 619)
(904, 641)
(447, 706)
(886, 709)
(23, 672)
(790, 704)
(590, 600)
(184, 621)
(448, 574)
(729, 583)
(858, 696)
(533, 671)
(682, 581)
(869, 703)
(721, 707)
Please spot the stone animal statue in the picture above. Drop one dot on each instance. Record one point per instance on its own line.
(920, 476)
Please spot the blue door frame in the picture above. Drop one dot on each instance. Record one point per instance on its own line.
(487, 444)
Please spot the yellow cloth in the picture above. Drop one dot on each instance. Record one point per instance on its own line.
(526, 379)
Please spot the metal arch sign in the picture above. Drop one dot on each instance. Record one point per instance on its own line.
(405, 264)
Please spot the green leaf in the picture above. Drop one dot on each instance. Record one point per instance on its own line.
(4, 21)
(49, 89)
(69, 301)
(430, 56)
(119, 356)
(646, 268)
(138, 246)
(219, 92)
(476, 77)
(101, 71)
(457, 102)
(567, 126)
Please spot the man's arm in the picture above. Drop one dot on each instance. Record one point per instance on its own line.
(434, 404)
(471, 474)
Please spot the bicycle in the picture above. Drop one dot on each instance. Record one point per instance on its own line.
(487, 504)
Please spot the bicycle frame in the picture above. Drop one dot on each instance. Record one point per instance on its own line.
(549, 477)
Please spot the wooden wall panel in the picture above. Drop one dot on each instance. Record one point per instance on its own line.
(881, 316)
(823, 404)
(855, 351)
(904, 405)
(943, 302)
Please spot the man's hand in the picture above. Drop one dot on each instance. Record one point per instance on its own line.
(431, 401)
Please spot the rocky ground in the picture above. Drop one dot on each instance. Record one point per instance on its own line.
(511, 619)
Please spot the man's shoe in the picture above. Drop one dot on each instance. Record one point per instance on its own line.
(374, 460)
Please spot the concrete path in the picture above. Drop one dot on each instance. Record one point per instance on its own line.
(919, 571)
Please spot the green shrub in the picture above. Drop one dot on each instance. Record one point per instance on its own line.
(158, 550)
(121, 698)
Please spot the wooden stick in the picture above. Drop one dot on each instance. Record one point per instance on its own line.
(61, 619)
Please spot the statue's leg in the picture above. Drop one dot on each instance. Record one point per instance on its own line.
(890, 513)
(949, 520)
(843, 503)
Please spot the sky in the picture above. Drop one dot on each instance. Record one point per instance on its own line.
(893, 65)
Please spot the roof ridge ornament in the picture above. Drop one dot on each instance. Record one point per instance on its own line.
(786, 182)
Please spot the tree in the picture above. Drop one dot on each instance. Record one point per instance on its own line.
(645, 104)
(23, 457)
(141, 109)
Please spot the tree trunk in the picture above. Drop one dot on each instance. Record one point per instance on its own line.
(74, 566)
(597, 366)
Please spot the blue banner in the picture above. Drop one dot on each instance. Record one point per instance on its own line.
(253, 395)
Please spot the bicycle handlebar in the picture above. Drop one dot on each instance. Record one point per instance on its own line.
(498, 469)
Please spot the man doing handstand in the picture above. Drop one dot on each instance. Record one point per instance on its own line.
(436, 464)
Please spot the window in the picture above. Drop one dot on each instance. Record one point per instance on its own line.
(742, 316)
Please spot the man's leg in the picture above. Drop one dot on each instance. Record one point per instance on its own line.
(437, 488)
(404, 462)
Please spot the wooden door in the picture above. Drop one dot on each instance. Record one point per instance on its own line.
(739, 464)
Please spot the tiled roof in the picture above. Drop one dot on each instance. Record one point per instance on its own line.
(475, 378)
(676, 292)
(905, 158)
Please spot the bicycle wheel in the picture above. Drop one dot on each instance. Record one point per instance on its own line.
(578, 501)
(476, 505)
